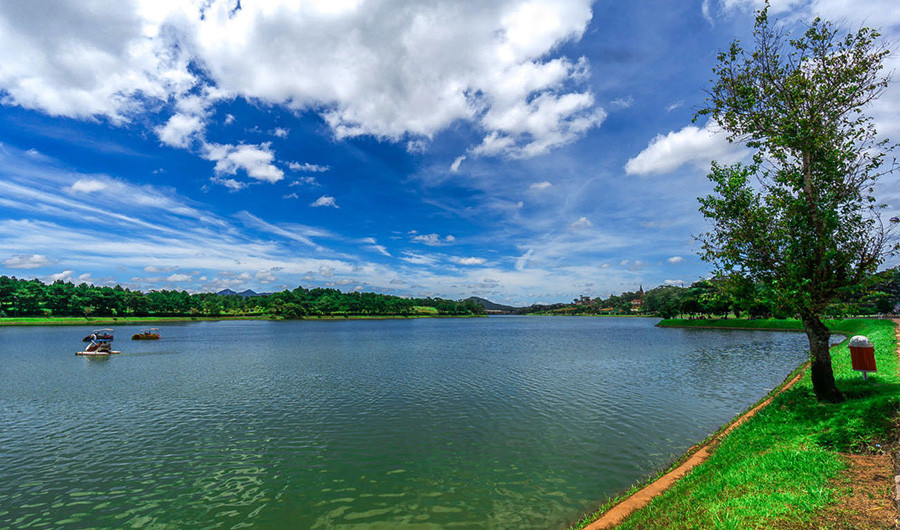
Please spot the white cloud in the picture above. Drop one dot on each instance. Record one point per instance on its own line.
(432, 240)
(622, 103)
(409, 71)
(540, 186)
(468, 261)
(324, 200)
(454, 167)
(674, 282)
(27, 261)
(254, 160)
(522, 261)
(281, 132)
(86, 186)
(306, 167)
(290, 196)
(265, 276)
(675, 259)
(418, 259)
(65, 276)
(532, 128)
(691, 144)
(179, 278)
(580, 224)
(84, 59)
(155, 270)
(232, 184)
(372, 244)
(180, 130)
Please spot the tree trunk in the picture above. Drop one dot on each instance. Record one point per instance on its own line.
(820, 357)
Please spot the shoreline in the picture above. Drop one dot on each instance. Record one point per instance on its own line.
(618, 509)
(694, 456)
(107, 321)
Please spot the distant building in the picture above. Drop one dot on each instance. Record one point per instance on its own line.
(638, 303)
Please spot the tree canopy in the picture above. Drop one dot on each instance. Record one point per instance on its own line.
(801, 218)
(20, 297)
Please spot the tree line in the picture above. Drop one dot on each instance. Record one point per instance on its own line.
(33, 298)
(734, 295)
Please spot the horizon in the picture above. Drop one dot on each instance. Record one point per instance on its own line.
(524, 152)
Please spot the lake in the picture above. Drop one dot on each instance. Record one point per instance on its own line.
(499, 422)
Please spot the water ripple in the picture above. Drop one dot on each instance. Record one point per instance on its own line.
(486, 423)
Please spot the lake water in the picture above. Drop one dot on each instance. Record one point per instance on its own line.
(500, 422)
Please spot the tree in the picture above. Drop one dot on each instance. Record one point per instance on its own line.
(801, 218)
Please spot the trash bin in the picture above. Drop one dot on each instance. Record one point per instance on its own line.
(862, 355)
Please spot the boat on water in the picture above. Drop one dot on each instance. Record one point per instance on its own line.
(146, 334)
(99, 334)
(100, 344)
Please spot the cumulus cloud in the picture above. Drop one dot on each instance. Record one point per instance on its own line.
(666, 153)
(65, 276)
(180, 130)
(179, 278)
(408, 72)
(85, 59)
(254, 160)
(27, 261)
(324, 200)
(675, 259)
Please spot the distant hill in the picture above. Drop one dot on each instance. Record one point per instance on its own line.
(491, 306)
(244, 294)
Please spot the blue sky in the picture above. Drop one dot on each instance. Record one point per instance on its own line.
(520, 150)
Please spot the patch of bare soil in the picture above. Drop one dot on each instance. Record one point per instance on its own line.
(865, 496)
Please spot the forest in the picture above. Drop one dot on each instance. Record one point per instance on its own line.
(33, 298)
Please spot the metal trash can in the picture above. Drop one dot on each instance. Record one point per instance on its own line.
(862, 355)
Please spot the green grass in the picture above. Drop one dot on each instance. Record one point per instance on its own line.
(92, 321)
(421, 312)
(769, 324)
(774, 471)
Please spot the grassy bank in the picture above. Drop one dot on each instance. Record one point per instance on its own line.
(124, 321)
(767, 324)
(775, 470)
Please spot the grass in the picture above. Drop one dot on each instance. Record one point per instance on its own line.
(92, 321)
(420, 312)
(768, 324)
(776, 470)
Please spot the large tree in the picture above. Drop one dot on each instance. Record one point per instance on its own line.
(801, 218)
